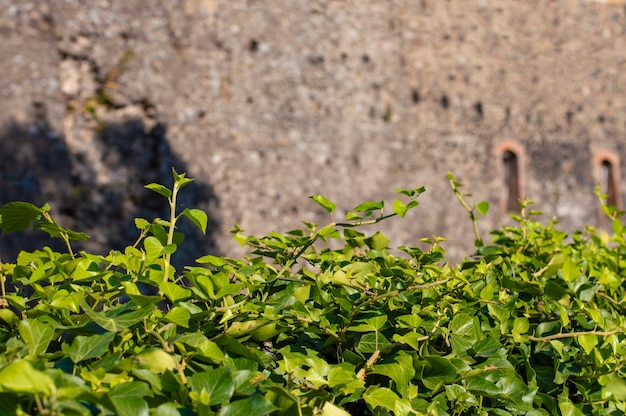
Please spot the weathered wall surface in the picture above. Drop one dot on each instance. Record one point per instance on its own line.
(267, 102)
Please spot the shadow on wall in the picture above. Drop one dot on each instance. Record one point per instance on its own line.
(100, 199)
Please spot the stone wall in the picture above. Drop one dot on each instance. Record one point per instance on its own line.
(267, 102)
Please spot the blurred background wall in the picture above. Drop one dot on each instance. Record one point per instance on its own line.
(268, 101)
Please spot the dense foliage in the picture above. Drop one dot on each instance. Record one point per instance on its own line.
(320, 321)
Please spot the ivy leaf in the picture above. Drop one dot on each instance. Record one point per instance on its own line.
(483, 207)
(324, 203)
(387, 399)
(181, 179)
(588, 342)
(373, 323)
(117, 319)
(159, 189)
(156, 360)
(217, 383)
(401, 371)
(20, 377)
(18, 216)
(37, 335)
(198, 217)
(254, 405)
(330, 409)
(174, 292)
(179, 316)
(127, 398)
(56, 231)
(154, 248)
(86, 347)
(203, 346)
(435, 371)
(399, 207)
(369, 206)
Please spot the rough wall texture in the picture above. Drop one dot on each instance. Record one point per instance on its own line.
(267, 102)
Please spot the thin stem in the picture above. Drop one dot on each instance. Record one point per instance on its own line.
(170, 233)
(164, 344)
(543, 269)
(610, 299)
(470, 210)
(369, 364)
(64, 235)
(2, 280)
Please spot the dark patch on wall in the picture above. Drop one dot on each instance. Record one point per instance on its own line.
(253, 45)
(43, 170)
(316, 60)
(445, 102)
(415, 96)
(478, 108)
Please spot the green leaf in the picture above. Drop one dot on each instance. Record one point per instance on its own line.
(18, 216)
(142, 224)
(399, 207)
(329, 231)
(87, 347)
(400, 370)
(324, 203)
(570, 270)
(378, 241)
(464, 332)
(156, 360)
(435, 371)
(254, 405)
(373, 323)
(203, 346)
(67, 300)
(588, 342)
(179, 316)
(37, 336)
(483, 207)
(387, 399)
(342, 377)
(174, 292)
(167, 409)
(370, 343)
(181, 179)
(330, 409)
(56, 231)
(614, 387)
(217, 383)
(127, 398)
(118, 319)
(159, 189)
(20, 377)
(198, 217)
(369, 206)
(521, 325)
(409, 321)
(212, 260)
(154, 248)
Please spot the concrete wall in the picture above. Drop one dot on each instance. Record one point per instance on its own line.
(269, 101)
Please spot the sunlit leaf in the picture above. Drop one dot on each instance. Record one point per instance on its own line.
(324, 203)
(198, 217)
(159, 189)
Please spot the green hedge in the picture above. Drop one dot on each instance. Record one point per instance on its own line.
(532, 324)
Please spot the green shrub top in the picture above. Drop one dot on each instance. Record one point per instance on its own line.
(532, 324)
